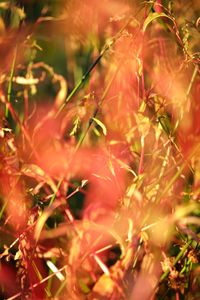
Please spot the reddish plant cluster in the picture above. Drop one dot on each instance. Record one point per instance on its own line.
(99, 177)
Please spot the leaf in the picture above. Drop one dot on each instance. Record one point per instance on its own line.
(103, 127)
(55, 270)
(96, 132)
(111, 167)
(104, 287)
(36, 172)
(165, 123)
(142, 107)
(5, 253)
(183, 210)
(101, 265)
(140, 66)
(4, 5)
(84, 288)
(25, 81)
(151, 17)
(17, 15)
(32, 170)
(84, 182)
(143, 124)
(61, 95)
(18, 255)
(75, 127)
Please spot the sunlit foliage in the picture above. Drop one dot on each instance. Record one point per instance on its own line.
(99, 149)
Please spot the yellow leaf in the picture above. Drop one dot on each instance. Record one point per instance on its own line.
(103, 127)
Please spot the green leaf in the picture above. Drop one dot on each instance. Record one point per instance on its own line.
(165, 123)
(103, 127)
(151, 17)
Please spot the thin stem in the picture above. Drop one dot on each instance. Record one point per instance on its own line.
(91, 121)
(25, 106)
(54, 194)
(192, 80)
(11, 80)
(140, 168)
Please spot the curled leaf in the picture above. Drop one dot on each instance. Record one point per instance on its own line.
(103, 127)
(151, 17)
